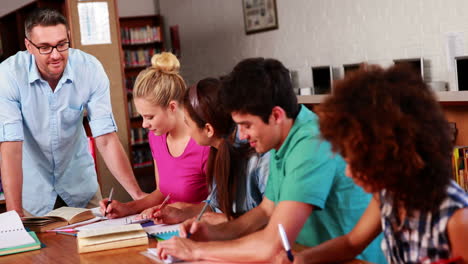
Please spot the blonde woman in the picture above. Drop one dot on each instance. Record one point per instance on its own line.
(179, 161)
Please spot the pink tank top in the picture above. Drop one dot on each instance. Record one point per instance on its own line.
(183, 177)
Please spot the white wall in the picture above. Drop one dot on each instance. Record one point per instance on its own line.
(318, 32)
(129, 8)
(8, 6)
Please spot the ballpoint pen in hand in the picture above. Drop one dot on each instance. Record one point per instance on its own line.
(284, 239)
(109, 200)
(207, 202)
(162, 205)
(164, 202)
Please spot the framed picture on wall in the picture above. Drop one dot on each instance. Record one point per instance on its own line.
(259, 15)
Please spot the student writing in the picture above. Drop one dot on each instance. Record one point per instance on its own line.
(179, 161)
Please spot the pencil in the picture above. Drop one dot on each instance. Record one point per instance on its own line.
(200, 215)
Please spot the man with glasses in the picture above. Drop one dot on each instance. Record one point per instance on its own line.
(44, 92)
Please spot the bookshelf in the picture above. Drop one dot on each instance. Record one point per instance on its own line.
(141, 38)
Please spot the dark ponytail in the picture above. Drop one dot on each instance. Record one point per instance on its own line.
(227, 165)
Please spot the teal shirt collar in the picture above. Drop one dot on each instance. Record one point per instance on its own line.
(304, 116)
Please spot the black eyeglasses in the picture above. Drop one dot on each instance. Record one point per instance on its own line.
(63, 46)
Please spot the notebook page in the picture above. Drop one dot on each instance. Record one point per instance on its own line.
(161, 229)
(151, 253)
(12, 232)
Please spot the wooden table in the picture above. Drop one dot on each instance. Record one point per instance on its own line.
(62, 249)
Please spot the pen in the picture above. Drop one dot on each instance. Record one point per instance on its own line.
(109, 201)
(285, 241)
(65, 233)
(61, 230)
(164, 202)
(207, 202)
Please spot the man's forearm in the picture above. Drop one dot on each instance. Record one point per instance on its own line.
(12, 175)
(117, 161)
(243, 225)
(260, 246)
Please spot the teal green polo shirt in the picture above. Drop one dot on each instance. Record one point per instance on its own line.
(305, 170)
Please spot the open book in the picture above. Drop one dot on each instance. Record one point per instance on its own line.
(13, 236)
(59, 217)
(111, 237)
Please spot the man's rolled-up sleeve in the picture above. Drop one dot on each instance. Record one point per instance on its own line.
(11, 121)
(101, 119)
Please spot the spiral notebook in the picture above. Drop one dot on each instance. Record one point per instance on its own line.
(162, 232)
(13, 237)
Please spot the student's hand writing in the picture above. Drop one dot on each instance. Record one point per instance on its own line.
(181, 248)
(115, 209)
(282, 258)
(148, 213)
(170, 215)
(199, 230)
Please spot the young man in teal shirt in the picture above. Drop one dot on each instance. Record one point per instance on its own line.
(307, 191)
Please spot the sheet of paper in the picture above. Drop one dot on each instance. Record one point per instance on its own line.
(110, 222)
(152, 254)
(95, 219)
(94, 23)
(96, 211)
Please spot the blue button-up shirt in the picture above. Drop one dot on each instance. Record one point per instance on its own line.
(56, 159)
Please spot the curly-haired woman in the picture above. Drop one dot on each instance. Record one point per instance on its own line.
(393, 134)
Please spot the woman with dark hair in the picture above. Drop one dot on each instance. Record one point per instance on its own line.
(393, 134)
(236, 174)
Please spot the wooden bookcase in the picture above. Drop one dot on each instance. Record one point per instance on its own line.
(12, 25)
(141, 38)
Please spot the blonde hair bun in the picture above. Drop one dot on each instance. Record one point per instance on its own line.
(166, 62)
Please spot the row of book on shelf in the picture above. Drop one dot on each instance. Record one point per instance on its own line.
(93, 231)
(142, 157)
(138, 135)
(132, 112)
(460, 166)
(129, 83)
(140, 35)
(140, 57)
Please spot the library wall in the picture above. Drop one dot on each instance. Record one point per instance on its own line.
(137, 7)
(319, 32)
(8, 6)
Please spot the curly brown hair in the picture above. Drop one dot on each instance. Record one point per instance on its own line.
(393, 133)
